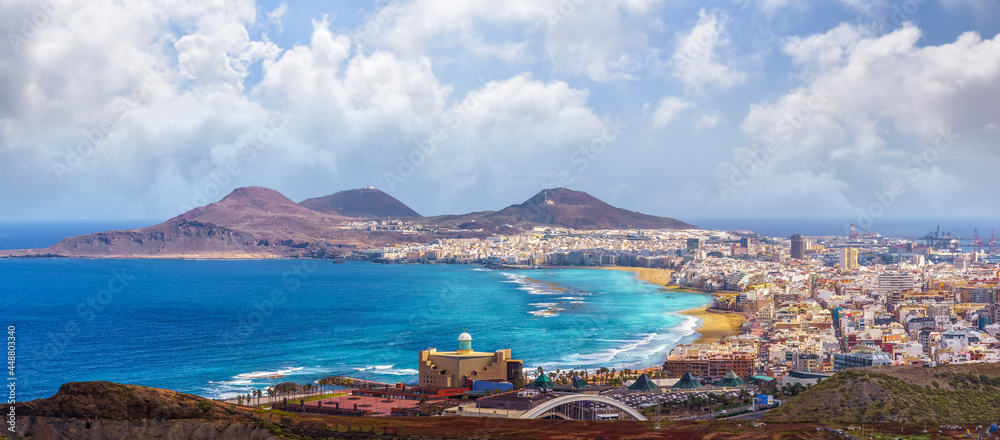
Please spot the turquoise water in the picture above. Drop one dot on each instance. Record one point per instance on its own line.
(215, 328)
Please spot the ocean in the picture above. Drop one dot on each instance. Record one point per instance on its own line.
(221, 328)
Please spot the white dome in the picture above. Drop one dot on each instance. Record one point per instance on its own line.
(464, 337)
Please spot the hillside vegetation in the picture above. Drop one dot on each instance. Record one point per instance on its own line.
(967, 393)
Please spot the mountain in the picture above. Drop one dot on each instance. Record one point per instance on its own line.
(579, 210)
(559, 207)
(362, 203)
(250, 222)
(949, 394)
(254, 222)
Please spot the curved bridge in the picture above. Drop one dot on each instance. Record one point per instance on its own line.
(540, 410)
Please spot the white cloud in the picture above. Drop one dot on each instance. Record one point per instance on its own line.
(355, 114)
(872, 110)
(221, 56)
(103, 86)
(506, 135)
(706, 121)
(277, 15)
(695, 62)
(600, 40)
(352, 96)
(668, 108)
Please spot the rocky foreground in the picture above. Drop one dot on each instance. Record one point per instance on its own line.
(105, 411)
(110, 411)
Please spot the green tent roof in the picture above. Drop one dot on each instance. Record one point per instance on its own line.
(542, 381)
(687, 382)
(731, 380)
(762, 377)
(643, 383)
(579, 383)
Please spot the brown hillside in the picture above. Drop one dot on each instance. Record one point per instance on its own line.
(579, 210)
(951, 394)
(362, 203)
(559, 207)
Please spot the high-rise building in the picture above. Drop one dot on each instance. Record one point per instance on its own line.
(889, 282)
(692, 244)
(798, 247)
(745, 242)
(848, 258)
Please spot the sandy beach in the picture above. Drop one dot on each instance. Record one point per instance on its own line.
(660, 277)
(715, 325)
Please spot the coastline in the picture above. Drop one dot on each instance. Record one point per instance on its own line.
(659, 277)
(715, 325)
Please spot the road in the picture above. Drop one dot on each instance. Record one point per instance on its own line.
(749, 416)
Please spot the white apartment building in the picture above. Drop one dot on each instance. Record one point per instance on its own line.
(897, 282)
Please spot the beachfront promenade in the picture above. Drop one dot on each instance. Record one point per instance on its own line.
(294, 397)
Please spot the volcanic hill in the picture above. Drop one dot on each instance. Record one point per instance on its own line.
(361, 203)
(254, 222)
(560, 207)
(250, 222)
(949, 394)
(579, 210)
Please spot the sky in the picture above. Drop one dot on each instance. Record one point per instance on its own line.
(849, 109)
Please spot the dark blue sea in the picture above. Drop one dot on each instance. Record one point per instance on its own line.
(216, 328)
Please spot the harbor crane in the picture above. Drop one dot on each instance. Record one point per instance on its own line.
(937, 240)
(853, 235)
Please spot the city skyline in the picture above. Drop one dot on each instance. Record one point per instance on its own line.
(766, 109)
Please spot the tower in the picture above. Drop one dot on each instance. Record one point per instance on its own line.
(798, 247)
(464, 343)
